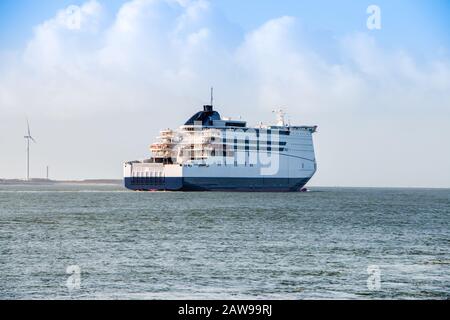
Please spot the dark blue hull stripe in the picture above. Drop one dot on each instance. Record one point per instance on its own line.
(215, 184)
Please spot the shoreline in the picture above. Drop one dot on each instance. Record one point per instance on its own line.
(36, 182)
(119, 182)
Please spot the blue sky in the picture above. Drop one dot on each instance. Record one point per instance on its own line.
(103, 87)
(417, 25)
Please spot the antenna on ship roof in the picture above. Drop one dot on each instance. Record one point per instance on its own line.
(280, 117)
(212, 96)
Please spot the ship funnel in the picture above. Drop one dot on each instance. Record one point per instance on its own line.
(208, 108)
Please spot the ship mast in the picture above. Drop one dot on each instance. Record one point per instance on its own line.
(212, 96)
(280, 117)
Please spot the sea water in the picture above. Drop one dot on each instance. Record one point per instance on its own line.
(103, 242)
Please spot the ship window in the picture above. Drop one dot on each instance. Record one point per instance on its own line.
(235, 124)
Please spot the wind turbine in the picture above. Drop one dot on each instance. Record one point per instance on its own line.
(28, 137)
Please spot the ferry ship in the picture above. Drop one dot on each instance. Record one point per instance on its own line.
(211, 153)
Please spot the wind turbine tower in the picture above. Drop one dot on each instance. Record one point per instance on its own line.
(28, 137)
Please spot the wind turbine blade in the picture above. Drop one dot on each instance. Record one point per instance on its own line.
(28, 127)
(33, 139)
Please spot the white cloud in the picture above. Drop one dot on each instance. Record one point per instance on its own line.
(159, 57)
(55, 39)
(162, 45)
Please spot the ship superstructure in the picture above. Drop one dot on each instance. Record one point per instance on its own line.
(211, 153)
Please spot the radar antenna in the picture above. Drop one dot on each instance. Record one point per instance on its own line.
(280, 117)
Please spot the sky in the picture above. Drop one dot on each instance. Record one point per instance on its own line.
(98, 79)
